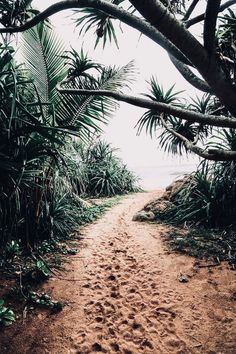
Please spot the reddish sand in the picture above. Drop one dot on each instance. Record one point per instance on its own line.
(124, 296)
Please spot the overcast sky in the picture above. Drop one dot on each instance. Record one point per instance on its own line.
(150, 60)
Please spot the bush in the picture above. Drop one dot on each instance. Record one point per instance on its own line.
(209, 199)
(102, 173)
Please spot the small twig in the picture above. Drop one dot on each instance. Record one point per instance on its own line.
(229, 252)
(195, 345)
(85, 238)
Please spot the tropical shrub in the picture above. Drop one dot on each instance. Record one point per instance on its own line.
(102, 173)
(39, 197)
(209, 199)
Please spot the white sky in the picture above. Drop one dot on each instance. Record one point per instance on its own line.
(150, 60)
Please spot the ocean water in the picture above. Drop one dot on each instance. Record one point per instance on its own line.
(160, 176)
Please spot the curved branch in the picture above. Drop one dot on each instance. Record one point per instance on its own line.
(210, 154)
(158, 15)
(115, 11)
(190, 116)
(161, 19)
(179, 42)
(190, 76)
(200, 18)
(212, 11)
(51, 10)
(213, 154)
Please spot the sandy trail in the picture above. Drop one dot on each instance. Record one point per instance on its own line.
(127, 297)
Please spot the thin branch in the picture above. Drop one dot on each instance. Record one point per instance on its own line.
(115, 11)
(190, 10)
(190, 76)
(200, 18)
(181, 113)
(210, 154)
(212, 11)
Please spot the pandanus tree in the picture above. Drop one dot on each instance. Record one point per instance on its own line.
(37, 122)
(207, 63)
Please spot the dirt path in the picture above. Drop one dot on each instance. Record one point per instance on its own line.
(126, 297)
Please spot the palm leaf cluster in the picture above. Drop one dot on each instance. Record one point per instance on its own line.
(152, 121)
(15, 12)
(88, 18)
(103, 173)
(162, 125)
(39, 194)
(90, 110)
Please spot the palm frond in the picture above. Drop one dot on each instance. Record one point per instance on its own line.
(204, 104)
(80, 65)
(87, 111)
(42, 50)
(151, 119)
(172, 144)
(103, 23)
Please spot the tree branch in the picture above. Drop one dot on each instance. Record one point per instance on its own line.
(191, 116)
(212, 11)
(115, 11)
(190, 76)
(178, 39)
(161, 19)
(200, 18)
(210, 154)
(158, 15)
(190, 10)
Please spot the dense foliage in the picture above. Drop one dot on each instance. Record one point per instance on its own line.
(40, 195)
(65, 92)
(208, 199)
(102, 173)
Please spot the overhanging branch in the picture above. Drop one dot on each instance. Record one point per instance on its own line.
(158, 15)
(167, 31)
(113, 10)
(209, 154)
(191, 116)
(190, 76)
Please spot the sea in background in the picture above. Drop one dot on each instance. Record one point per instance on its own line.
(160, 176)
